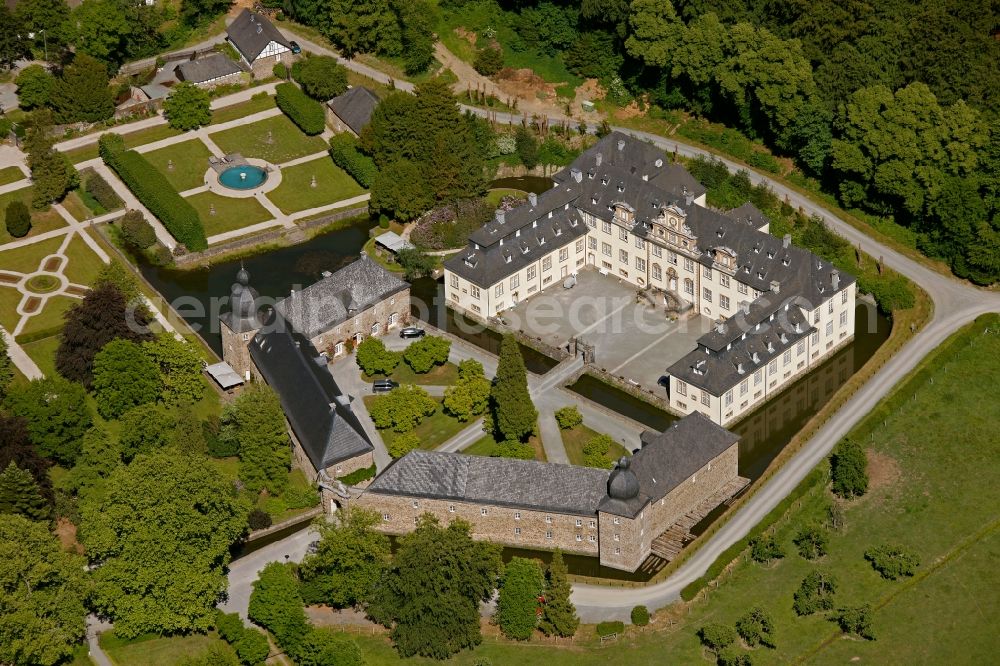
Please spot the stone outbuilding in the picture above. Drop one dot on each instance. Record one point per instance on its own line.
(352, 110)
(212, 70)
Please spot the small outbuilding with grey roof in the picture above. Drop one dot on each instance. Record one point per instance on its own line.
(212, 70)
(258, 42)
(352, 110)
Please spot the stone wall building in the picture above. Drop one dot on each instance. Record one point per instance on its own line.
(352, 111)
(212, 70)
(621, 209)
(259, 43)
(616, 516)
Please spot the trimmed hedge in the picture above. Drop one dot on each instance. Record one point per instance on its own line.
(357, 476)
(97, 187)
(608, 628)
(301, 109)
(345, 154)
(41, 334)
(155, 192)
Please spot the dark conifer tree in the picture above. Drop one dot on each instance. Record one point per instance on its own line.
(514, 415)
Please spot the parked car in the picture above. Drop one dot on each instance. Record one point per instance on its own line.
(296, 49)
(412, 332)
(383, 385)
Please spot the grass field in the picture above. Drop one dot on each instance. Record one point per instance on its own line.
(75, 206)
(132, 140)
(230, 213)
(574, 440)
(26, 259)
(41, 221)
(10, 174)
(84, 265)
(441, 375)
(433, 431)
(154, 650)
(51, 316)
(259, 102)
(190, 159)
(43, 353)
(286, 143)
(9, 299)
(486, 446)
(297, 193)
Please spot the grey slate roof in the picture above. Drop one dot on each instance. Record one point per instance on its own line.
(317, 410)
(525, 484)
(355, 107)
(334, 299)
(749, 214)
(251, 33)
(205, 69)
(668, 459)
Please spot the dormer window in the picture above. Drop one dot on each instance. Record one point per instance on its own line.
(507, 258)
(621, 187)
(558, 231)
(604, 180)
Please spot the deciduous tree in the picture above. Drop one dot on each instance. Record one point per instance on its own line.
(162, 535)
(756, 627)
(57, 414)
(892, 561)
(256, 422)
(144, 429)
(34, 87)
(276, 605)
(811, 542)
(180, 366)
(514, 414)
(350, 560)
(321, 77)
(16, 447)
(374, 359)
(403, 444)
(324, 646)
(403, 409)
(765, 548)
(43, 589)
(100, 456)
(815, 593)
(470, 396)
(655, 32)
(14, 43)
(849, 469)
(52, 174)
(856, 620)
(520, 588)
(431, 594)
(427, 352)
(102, 30)
(188, 106)
(559, 616)
(124, 377)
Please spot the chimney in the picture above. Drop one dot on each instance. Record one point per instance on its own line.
(786, 241)
(835, 280)
(775, 286)
(739, 368)
(621, 145)
(500, 217)
(720, 327)
(532, 199)
(576, 174)
(260, 28)
(342, 401)
(598, 158)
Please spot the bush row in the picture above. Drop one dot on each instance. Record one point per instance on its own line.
(98, 188)
(305, 112)
(358, 475)
(345, 154)
(155, 192)
(251, 645)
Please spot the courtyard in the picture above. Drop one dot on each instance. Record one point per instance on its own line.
(631, 338)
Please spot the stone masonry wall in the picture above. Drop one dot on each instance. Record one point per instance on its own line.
(622, 537)
(497, 526)
(398, 303)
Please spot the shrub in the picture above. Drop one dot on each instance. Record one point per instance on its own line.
(514, 449)
(345, 154)
(856, 620)
(595, 452)
(717, 636)
(765, 548)
(218, 447)
(229, 626)
(568, 417)
(18, 219)
(403, 444)
(300, 497)
(136, 231)
(608, 628)
(155, 192)
(488, 60)
(811, 542)
(374, 359)
(849, 470)
(426, 353)
(280, 71)
(259, 519)
(252, 648)
(403, 409)
(892, 562)
(640, 616)
(358, 475)
(755, 627)
(305, 112)
(733, 657)
(97, 187)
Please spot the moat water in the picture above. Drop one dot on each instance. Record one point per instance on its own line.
(274, 273)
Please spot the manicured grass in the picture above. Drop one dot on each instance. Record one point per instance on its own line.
(41, 221)
(43, 353)
(51, 316)
(494, 196)
(286, 143)
(74, 205)
(433, 431)
(190, 160)
(152, 650)
(132, 140)
(26, 259)
(84, 265)
(260, 102)
(441, 375)
(486, 446)
(230, 213)
(9, 299)
(576, 438)
(11, 174)
(297, 193)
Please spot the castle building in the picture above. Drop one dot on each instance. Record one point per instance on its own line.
(620, 209)
(622, 516)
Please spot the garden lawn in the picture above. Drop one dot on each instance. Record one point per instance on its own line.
(297, 193)
(440, 375)
(287, 141)
(41, 221)
(433, 431)
(152, 650)
(574, 440)
(75, 206)
(84, 265)
(190, 160)
(230, 213)
(26, 259)
(278, 506)
(132, 140)
(9, 299)
(259, 102)
(11, 174)
(43, 353)
(51, 316)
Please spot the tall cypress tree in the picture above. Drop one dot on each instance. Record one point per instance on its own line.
(16, 447)
(558, 615)
(514, 415)
(6, 368)
(19, 494)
